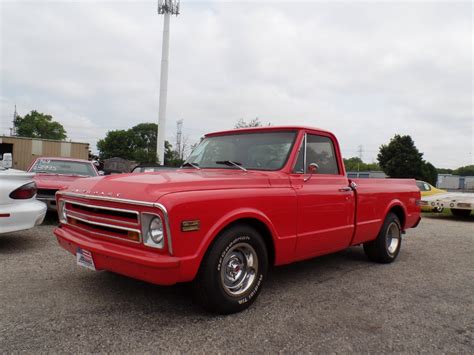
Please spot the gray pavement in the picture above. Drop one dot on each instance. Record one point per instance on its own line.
(337, 303)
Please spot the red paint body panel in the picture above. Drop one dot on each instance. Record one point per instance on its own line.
(303, 219)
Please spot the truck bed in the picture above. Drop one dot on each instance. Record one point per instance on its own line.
(376, 197)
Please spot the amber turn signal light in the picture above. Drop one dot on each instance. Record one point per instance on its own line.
(189, 226)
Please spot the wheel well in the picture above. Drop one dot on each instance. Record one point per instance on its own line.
(398, 211)
(264, 232)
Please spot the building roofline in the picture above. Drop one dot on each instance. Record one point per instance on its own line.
(42, 139)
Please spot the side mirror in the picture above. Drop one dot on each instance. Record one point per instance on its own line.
(101, 173)
(312, 169)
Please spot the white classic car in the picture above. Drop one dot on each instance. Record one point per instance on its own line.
(19, 208)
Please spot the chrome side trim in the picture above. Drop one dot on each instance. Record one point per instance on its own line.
(102, 207)
(304, 153)
(167, 225)
(85, 216)
(162, 208)
(106, 198)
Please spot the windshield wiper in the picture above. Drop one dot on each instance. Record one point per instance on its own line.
(194, 165)
(231, 163)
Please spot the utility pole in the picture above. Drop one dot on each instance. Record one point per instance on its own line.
(360, 151)
(13, 129)
(166, 8)
(179, 139)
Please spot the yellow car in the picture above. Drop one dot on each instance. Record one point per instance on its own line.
(428, 190)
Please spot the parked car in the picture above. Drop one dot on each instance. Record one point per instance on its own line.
(19, 208)
(245, 199)
(426, 191)
(53, 174)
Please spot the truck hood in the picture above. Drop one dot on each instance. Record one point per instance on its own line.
(54, 182)
(149, 187)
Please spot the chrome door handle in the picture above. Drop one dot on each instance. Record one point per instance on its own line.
(345, 189)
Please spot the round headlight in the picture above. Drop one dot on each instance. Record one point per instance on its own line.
(155, 230)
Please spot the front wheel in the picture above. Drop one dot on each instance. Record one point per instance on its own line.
(386, 247)
(233, 270)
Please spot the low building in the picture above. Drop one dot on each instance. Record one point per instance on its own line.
(25, 150)
(455, 182)
(448, 182)
(366, 174)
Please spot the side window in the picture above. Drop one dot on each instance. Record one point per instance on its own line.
(427, 187)
(319, 150)
(299, 166)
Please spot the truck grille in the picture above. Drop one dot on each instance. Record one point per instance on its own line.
(104, 221)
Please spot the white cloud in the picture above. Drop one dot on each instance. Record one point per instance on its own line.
(365, 70)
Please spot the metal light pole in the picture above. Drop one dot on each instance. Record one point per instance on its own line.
(166, 8)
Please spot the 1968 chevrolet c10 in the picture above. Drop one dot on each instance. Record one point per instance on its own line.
(244, 200)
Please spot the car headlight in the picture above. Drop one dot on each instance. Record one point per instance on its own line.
(155, 230)
(62, 212)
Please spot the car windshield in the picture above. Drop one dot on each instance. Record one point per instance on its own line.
(255, 151)
(63, 167)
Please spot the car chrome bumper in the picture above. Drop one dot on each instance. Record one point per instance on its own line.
(139, 264)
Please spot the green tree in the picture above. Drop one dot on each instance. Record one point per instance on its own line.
(444, 171)
(171, 156)
(429, 173)
(137, 143)
(39, 125)
(400, 158)
(356, 164)
(467, 170)
(118, 143)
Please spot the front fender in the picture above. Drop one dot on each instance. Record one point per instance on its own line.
(273, 208)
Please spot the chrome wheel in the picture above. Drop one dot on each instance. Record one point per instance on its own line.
(239, 269)
(393, 238)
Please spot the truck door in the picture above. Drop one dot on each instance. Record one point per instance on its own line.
(326, 204)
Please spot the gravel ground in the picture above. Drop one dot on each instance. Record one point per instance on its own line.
(336, 303)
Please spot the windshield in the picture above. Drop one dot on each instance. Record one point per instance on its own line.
(256, 151)
(63, 167)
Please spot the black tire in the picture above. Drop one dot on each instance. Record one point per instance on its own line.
(213, 284)
(381, 250)
(460, 213)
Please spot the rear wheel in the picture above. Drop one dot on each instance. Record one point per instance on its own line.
(233, 270)
(386, 247)
(460, 213)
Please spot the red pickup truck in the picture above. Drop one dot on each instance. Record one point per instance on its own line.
(244, 200)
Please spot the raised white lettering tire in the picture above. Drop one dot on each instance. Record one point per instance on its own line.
(233, 270)
(385, 248)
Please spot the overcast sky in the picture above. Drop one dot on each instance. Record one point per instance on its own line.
(364, 70)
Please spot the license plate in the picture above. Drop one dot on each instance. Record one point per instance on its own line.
(84, 258)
